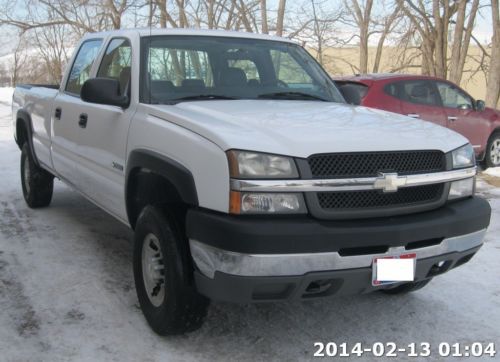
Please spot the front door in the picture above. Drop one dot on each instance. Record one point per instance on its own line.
(462, 115)
(103, 141)
(419, 99)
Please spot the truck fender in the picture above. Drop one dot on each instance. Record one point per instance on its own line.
(172, 171)
(25, 118)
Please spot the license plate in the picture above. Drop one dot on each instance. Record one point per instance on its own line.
(393, 269)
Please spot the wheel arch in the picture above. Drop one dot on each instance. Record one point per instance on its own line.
(494, 131)
(24, 132)
(152, 178)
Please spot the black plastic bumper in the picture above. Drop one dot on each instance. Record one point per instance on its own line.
(272, 235)
(241, 289)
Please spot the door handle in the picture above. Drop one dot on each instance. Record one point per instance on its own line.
(414, 115)
(58, 113)
(82, 122)
(452, 118)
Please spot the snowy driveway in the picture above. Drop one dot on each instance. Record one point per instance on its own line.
(67, 293)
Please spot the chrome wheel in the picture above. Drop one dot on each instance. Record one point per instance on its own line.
(495, 152)
(153, 270)
(27, 175)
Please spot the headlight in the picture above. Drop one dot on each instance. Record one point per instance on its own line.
(463, 157)
(252, 165)
(266, 203)
(462, 188)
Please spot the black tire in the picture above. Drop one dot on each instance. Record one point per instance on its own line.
(37, 184)
(494, 140)
(180, 308)
(407, 288)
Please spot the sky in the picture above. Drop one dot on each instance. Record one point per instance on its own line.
(483, 28)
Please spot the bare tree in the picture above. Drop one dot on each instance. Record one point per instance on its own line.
(115, 11)
(315, 26)
(361, 14)
(281, 17)
(51, 42)
(19, 59)
(461, 38)
(263, 15)
(493, 81)
(388, 23)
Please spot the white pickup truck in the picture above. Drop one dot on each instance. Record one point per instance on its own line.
(244, 174)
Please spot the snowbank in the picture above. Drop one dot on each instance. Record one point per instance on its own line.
(493, 171)
(6, 94)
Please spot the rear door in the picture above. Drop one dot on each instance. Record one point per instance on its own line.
(420, 99)
(462, 115)
(66, 131)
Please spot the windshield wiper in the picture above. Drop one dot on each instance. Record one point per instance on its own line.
(199, 97)
(291, 95)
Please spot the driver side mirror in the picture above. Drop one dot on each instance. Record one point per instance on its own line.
(480, 106)
(104, 91)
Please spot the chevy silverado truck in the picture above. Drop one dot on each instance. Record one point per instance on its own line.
(244, 174)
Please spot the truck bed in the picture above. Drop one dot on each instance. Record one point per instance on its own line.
(37, 100)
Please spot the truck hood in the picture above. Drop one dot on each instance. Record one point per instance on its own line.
(303, 128)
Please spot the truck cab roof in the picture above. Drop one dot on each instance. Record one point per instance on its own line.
(144, 32)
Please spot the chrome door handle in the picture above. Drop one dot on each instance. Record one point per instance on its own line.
(414, 115)
(452, 118)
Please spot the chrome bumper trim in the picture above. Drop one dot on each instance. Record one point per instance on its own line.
(350, 184)
(209, 259)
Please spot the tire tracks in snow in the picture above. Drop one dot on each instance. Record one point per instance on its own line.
(16, 305)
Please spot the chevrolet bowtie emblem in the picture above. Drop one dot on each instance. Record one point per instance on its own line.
(389, 182)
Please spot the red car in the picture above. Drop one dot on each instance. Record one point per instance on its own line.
(431, 99)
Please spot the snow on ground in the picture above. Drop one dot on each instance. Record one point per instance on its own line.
(5, 101)
(67, 293)
(494, 171)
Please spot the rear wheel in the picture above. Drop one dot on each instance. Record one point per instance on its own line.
(407, 288)
(37, 184)
(493, 151)
(163, 275)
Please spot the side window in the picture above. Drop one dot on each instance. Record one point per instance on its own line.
(391, 89)
(452, 97)
(80, 71)
(419, 92)
(179, 67)
(288, 71)
(116, 62)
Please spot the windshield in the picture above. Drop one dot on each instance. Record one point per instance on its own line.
(186, 68)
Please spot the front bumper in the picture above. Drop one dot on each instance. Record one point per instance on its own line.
(258, 259)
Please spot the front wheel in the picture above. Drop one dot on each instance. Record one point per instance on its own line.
(493, 151)
(37, 184)
(163, 275)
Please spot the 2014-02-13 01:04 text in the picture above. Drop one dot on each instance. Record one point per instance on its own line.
(391, 349)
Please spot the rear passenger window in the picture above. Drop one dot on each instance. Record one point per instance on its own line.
(80, 71)
(419, 92)
(116, 62)
(247, 66)
(180, 67)
(391, 89)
